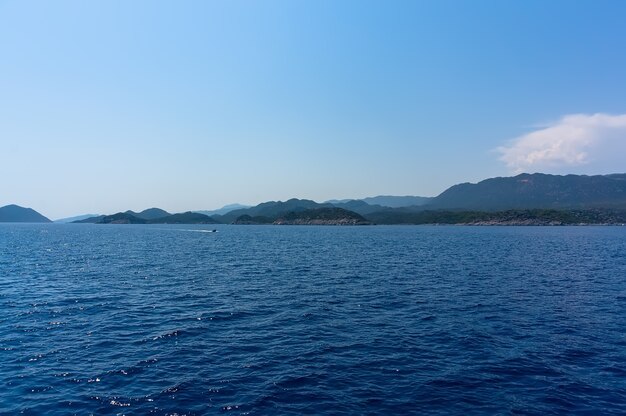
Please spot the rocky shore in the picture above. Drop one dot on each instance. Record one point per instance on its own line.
(338, 221)
(319, 216)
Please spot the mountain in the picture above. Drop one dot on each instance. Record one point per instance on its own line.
(224, 210)
(150, 213)
(129, 218)
(146, 214)
(15, 213)
(271, 209)
(184, 218)
(590, 199)
(77, 218)
(297, 211)
(537, 190)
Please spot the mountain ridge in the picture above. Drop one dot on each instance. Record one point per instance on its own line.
(128, 218)
(536, 190)
(224, 210)
(149, 213)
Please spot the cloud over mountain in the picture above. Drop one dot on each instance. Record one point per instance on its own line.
(587, 142)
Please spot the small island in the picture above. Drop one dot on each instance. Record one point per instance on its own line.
(318, 216)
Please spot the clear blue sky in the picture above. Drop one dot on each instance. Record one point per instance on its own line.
(186, 105)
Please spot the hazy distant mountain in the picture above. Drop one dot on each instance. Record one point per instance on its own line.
(90, 220)
(224, 210)
(184, 218)
(397, 201)
(385, 201)
(15, 213)
(359, 206)
(340, 201)
(76, 218)
(536, 190)
(149, 214)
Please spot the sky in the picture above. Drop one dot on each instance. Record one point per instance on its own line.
(188, 105)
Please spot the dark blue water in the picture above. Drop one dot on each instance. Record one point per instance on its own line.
(278, 320)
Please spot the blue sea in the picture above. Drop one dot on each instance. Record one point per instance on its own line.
(289, 320)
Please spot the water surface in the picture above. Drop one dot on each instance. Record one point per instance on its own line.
(312, 320)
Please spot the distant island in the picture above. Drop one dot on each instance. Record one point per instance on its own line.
(525, 199)
(149, 217)
(317, 216)
(15, 213)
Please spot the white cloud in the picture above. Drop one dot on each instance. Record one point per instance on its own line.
(587, 143)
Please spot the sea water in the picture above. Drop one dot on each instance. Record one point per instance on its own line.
(277, 320)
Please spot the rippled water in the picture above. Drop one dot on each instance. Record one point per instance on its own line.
(312, 320)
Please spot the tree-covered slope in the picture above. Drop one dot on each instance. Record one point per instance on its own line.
(527, 191)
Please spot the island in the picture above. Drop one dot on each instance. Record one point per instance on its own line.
(16, 213)
(317, 216)
(128, 218)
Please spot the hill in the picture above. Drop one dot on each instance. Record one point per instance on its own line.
(246, 219)
(150, 213)
(298, 211)
(146, 214)
(15, 213)
(271, 209)
(184, 218)
(121, 218)
(322, 216)
(524, 192)
(528, 191)
(127, 218)
(315, 216)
